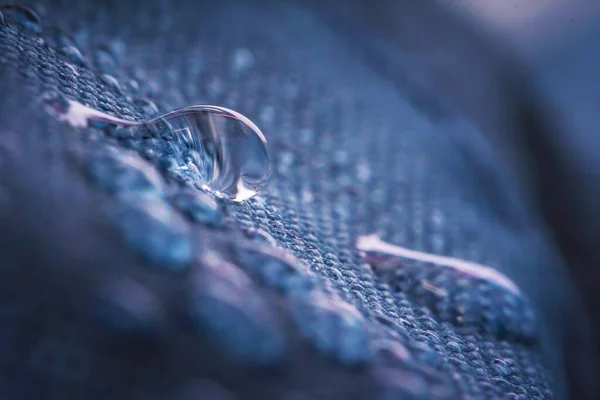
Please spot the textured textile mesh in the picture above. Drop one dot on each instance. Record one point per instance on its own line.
(352, 155)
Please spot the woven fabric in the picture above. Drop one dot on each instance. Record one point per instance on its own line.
(120, 283)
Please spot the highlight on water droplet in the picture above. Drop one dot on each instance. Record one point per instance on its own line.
(223, 151)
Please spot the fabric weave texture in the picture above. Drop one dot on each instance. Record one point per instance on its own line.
(120, 282)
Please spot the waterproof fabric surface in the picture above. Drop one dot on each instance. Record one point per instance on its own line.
(119, 282)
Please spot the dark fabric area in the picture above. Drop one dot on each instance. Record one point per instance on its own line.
(110, 288)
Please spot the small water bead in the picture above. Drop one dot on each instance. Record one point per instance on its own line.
(105, 59)
(59, 38)
(73, 54)
(260, 236)
(72, 68)
(112, 83)
(267, 114)
(199, 207)
(276, 268)
(215, 86)
(242, 60)
(132, 85)
(224, 151)
(23, 16)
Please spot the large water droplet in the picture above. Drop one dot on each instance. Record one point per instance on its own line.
(227, 149)
(23, 16)
(219, 149)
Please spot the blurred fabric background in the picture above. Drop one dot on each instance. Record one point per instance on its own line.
(559, 41)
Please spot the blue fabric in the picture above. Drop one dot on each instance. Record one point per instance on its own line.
(391, 120)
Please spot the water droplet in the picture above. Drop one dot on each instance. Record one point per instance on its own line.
(199, 207)
(363, 171)
(229, 151)
(59, 38)
(267, 114)
(2, 21)
(215, 86)
(340, 159)
(133, 85)
(231, 311)
(72, 68)
(105, 59)
(156, 232)
(276, 268)
(242, 60)
(307, 196)
(333, 327)
(23, 16)
(225, 152)
(147, 106)
(73, 54)
(112, 83)
(125, 174)
(127, 306)
(307, 136)
(291, 87)
(260, 236)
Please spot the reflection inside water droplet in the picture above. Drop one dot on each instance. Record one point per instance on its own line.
(220, 149)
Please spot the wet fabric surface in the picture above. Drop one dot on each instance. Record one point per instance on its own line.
(122, 282)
